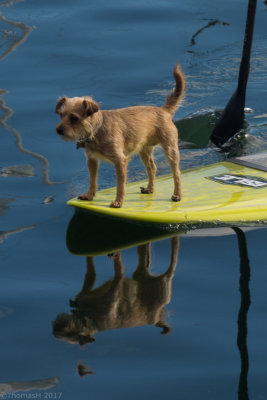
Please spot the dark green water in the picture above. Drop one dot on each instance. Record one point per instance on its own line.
(213, 300)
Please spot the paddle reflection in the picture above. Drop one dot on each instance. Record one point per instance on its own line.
(120, 302)
(242, 315)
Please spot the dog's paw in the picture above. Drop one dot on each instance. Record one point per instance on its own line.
(116, 204)
(175, 197)
(114, 255)
(85, 197)
(145, 190)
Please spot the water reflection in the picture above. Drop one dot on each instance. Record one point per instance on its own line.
(109, 235)
(84, 370)
(212, 22)
(120, 302)
(4, 234)
(7, 112)
(13, 35)
(4, 205)
(124, 303)
(8, 388)
(242, 315)
(12, 38)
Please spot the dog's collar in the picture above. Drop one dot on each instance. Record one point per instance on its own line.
(83, 142)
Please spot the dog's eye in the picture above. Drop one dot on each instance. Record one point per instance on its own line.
(74, 118)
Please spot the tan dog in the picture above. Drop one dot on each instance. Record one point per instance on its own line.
(115, 135)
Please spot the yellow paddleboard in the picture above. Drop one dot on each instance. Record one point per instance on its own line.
(233, 191)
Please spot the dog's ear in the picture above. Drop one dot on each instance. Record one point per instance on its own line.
(60, 105)
(90, 107)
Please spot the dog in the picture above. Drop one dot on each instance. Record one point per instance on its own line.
(115, 135)
(120, 302)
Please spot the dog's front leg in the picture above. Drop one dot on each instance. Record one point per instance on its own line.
(121, 171)
(93, 169)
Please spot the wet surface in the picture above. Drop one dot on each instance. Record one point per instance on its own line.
(211, 304)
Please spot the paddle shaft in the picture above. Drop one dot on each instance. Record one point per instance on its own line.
(245, 61)
(232, 118)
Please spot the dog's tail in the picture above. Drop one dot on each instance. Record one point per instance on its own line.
(175, 96)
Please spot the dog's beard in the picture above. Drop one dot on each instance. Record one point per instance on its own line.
(72, 135)
(68, 138)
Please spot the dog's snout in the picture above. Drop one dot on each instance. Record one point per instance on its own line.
(60, 130)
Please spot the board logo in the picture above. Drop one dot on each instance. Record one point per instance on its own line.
(240, 180)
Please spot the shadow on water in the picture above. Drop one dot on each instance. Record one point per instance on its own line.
(195, 131)
(125, 303)
(196, 128)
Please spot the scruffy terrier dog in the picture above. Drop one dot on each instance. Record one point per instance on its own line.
(115, 135)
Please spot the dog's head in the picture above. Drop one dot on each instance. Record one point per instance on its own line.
(73, 329)
(80, 117)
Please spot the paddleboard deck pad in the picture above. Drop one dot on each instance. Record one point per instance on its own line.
(229, 192)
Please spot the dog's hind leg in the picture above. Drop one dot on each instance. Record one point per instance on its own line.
(146, 155)
(89, 279)
(177, 193)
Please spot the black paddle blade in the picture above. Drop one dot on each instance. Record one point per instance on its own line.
(231, 120)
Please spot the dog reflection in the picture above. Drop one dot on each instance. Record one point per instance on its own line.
(120, 302)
